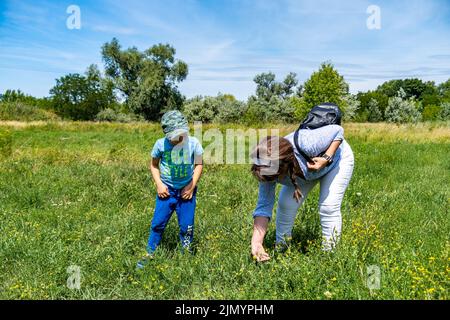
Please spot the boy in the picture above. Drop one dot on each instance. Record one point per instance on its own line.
(176, 167)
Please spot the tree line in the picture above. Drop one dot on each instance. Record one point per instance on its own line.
(142, 85)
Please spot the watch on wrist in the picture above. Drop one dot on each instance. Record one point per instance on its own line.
(328, 158)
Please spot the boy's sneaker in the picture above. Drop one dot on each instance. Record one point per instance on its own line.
(144, 260)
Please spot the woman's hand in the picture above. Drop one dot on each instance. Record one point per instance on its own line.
(258, 253)
(163, 191)
(260, 225)
(319, 163)
(188, 191)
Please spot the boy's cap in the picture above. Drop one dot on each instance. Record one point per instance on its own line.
(174, 124)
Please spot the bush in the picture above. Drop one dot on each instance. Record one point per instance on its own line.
(111, 115)
(201, 108)
(445, 111)
(230, 111)
(374, 113)
(365, 98)
(349, 107)
(275, 110)
(301, 108)
(401, 110)
(20, 111)
(431, 112)
(222, 109)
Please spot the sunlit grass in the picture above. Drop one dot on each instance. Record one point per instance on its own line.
(81, 194)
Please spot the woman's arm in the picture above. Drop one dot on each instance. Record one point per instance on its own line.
(260, 225)
(261, 218)
(321, 162)
(314, 142)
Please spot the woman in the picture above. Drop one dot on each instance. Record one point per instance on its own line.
(276, 160)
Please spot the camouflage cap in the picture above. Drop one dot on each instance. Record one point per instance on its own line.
(174, 124)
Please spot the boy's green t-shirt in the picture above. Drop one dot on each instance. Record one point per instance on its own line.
(176, 162)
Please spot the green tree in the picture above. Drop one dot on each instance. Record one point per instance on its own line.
(81, 97)
(365, 99)
(267, 87)
(301, 109)
(148, 80)
(413, 88)
(325, 85)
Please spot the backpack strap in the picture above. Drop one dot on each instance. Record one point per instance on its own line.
(304, 155)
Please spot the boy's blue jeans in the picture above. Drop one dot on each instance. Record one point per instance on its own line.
(164, 208)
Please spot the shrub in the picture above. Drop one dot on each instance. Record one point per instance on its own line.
(401, 110)
(223, 108)
(111, 115)
(301, 108)
(374, 113)
(275, 110)
(201, 108)
(230, 111)
(445, 111)
(431, 112)
(365, 98)
(349, 107)
(23, 112)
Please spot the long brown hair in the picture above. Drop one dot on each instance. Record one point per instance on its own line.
(276, 153)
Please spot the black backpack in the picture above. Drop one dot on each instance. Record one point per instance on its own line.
(319, 116)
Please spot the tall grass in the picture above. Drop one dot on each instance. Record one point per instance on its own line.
(17, 110)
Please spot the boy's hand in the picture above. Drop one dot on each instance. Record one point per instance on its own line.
(188, 191)
(163, 191)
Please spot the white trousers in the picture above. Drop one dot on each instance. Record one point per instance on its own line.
(332, 189)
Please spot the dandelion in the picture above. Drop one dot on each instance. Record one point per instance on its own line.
(328, 294)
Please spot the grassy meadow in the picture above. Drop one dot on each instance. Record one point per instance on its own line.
(81, 194)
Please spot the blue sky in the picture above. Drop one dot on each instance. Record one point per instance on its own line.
(226, 43)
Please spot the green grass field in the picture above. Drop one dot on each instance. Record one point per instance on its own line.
(81, 194)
